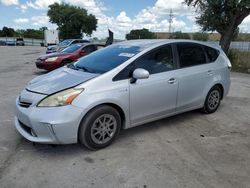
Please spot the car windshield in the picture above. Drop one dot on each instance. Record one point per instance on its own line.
(72, 48)
(65, 42)
(107, 58)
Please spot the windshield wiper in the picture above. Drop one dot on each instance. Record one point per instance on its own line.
(85, 69)
(72, 66)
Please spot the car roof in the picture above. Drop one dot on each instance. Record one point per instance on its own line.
(147, 43)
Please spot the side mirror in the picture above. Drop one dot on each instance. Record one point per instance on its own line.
(139, 73)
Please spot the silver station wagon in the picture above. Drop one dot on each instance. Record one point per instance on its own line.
(119, 87)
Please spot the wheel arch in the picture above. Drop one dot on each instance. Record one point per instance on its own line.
(119, 109)
(221, 88)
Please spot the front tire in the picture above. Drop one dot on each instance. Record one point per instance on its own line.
(212, 101)
(100, 127)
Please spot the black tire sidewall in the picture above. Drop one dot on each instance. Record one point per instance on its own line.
(85, 127)
(207, 109)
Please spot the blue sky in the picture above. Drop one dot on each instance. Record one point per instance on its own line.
(119, 15)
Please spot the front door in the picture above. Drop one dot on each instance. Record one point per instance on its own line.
(154, 97)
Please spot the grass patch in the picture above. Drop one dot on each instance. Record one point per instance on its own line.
(240, 60)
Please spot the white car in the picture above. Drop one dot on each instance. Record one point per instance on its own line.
(119, 87)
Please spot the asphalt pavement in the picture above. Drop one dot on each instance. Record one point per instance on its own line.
(188, 150)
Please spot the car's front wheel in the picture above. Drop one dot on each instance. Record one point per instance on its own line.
(100, 127)
(212, 100)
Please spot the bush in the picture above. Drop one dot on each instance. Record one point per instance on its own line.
(179, 35)
(240, 60)
(200, 36)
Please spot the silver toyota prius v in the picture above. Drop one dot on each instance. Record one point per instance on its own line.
(119, 87)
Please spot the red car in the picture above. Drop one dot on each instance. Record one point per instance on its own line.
(68, 55)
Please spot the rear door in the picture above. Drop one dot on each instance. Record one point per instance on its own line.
(194, 74)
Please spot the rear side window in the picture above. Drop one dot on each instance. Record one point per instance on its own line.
(212, 54)
(75, 41)
(89, 49)
(190, 55)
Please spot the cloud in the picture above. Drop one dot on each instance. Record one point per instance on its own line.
(154, 18)
(40, 20)
(9, 2)
(21, 20)
(22, 7)
(41, 4)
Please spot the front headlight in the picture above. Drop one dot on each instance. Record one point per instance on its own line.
(62, 98)
(51, 59)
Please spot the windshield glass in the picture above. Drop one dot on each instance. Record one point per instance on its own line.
(107, 58)
(65, 42)
(72, 48)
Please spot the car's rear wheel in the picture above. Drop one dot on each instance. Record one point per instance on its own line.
(212, 100)
(100, 127)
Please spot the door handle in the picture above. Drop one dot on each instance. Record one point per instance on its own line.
(171, 80)
(209, 72)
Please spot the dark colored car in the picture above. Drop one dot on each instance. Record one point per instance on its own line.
(68, 55)
(2, 43)
(20, 42)
(64, 44)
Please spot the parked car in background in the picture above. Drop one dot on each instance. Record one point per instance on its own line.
(10, 43)
(64, 44)
(68, 55)
(2, 43)
(119, 87)
(20, 42)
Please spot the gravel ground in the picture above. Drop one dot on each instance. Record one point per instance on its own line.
(187, 150)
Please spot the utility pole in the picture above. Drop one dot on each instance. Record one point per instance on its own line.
(170, 20)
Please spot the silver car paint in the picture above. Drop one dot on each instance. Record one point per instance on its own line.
(58, 80)
(146, 100)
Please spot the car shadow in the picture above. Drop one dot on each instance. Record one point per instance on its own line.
(40, 72)
(125, 135)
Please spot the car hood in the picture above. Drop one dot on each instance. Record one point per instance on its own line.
(58, 80)
(56, 54)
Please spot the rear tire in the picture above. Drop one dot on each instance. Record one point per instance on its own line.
(212, 101)
(99, 127)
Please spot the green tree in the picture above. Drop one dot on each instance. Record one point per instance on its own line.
(140, 34)
(179, 35)
(222, 16)
(200, 36)
(33, 33)
(43, 29)
(72, 21)
(8, 32)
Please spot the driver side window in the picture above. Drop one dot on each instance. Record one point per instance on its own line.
(157, 61)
